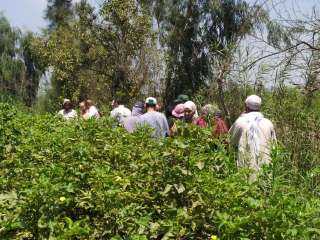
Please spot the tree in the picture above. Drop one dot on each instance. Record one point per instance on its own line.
(11, 67)
(195, 34)
(293, 40)
(99, 56)
(58, 12)
(33, 69)
(20, 71)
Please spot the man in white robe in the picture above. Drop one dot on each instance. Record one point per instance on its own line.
(253, 135)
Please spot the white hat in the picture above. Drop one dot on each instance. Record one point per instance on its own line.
(191, 106)
(66, 100)
(253, 102)
(151, 101)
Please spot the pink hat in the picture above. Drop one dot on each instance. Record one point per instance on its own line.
(178, 111)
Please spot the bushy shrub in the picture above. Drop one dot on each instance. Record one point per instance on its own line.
(91, 180)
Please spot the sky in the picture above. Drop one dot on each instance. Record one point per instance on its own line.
(28, 14)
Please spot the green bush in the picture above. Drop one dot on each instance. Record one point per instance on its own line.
(90, 180)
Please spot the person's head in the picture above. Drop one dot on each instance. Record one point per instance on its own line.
(253, 103)
(190, 110)
(178, 111)
(181, 99)
(151, 103)
(209, 110)
(218, 114)
(67, 105)
(137, 109)
(158, 107)
(83, 107)
(114, 104)
(117, 102)
(89, 103)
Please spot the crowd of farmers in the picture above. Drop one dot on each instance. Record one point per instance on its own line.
(251, 134)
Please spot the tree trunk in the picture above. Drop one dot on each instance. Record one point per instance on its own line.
(220, 81)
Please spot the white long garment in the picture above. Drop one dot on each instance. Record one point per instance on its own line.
(120, 113)
(68, 114)
(253, 135)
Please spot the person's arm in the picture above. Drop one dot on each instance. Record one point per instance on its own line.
(166, 126)
(235, 134)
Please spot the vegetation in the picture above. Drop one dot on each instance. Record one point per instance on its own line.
(91, 180)
(19, 69)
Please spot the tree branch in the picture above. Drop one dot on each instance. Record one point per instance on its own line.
(282, 51)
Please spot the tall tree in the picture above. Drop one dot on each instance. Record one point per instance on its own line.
(11, 67)
(58, 12)
(33, 68)
(195, 33)
(99, 55)
(20, 70)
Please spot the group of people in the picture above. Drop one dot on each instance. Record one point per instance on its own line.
(87, 110)
(251, 134)
(185, 110)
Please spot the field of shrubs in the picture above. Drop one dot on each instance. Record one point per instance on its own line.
(92, 180)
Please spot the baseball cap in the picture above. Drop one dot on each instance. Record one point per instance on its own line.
(151, 101)
(182, 98)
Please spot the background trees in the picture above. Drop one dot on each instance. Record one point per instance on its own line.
(99, 55)
(11, 69)
(58, 13)
(129, 48)
(20, 70)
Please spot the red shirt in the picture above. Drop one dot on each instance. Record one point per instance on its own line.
(220, 127)
(201, 122)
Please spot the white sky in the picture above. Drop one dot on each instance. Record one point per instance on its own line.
(28, 14)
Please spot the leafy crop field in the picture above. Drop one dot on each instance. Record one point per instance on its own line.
(91, 180)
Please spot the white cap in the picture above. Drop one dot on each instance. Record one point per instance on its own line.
(66, 100)
(253, 102)
(151, 101)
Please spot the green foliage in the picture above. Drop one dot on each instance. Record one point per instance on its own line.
(34, 69)
(297, 126)
(99, 55)
(19, 69)
(195, 34)
(58, 12)
(11, 68)
(90, 180)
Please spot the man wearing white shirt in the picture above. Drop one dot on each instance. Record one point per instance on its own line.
(67, 112)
